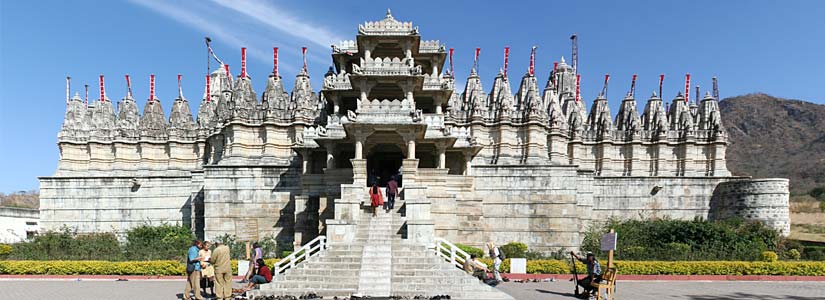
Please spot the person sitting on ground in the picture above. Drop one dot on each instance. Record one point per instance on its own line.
(253, 263)
(476, 268)
(264, 275)
(594, 273)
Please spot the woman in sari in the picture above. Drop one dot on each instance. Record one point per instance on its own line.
(376, 199)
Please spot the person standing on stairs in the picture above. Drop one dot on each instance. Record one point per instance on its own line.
(376, 199)
(392, 191)
(498, 258)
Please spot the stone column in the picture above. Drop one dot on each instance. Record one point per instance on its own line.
(304, 161)
(442, 155)
(411, 149)
(468, 164)
(359, 148)
(330, 156)
(336, 104)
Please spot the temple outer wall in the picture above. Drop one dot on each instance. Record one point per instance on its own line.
(766, 200)
(114, 204)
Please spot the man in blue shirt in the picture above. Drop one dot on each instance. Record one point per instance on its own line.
(193, 271)
(594, 272)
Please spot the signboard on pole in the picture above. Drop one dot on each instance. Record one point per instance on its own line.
(246, 229)
(609, 242)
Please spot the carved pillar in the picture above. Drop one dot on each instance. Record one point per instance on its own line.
(468, 165)
(364, 87)
(407, 87)
(441, 149)
(368, 47)
(330, 156)
(409, 138)
(336, 104)
(408, 51)
(304, 161)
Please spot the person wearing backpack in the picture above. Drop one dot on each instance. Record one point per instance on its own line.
(498, 258)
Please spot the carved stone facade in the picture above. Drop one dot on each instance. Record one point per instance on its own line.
(535, 166)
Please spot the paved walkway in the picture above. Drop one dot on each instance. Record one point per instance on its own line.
(642, 290)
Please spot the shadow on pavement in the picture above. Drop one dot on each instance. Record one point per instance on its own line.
(738, 296)
(571, 295)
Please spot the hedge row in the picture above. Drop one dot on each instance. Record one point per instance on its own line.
(166, 268)
(96, 267)
(801, 268)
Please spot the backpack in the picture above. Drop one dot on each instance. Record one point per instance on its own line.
(501, 255)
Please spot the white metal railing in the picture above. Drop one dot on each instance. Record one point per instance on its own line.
(450, 252)
(313, 248)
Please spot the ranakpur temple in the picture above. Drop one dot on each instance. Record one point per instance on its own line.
(475, 162)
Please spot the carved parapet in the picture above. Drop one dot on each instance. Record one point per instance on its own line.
(431, 46)
(388, 26)
(386, 67)
(346, 46)
(433, 121)
(337, 82)
(386, 106)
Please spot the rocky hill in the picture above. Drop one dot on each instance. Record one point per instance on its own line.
(775, 137)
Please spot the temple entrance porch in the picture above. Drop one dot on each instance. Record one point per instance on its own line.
(384, 163)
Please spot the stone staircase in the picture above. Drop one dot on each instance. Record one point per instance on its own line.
(379, 263)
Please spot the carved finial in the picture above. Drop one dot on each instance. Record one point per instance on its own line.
(654, 95)
(389, 14)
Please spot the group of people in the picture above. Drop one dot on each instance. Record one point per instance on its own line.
(207, 268)
(212, 267)
(377, 196)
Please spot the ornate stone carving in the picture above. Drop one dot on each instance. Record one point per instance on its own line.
(599, 120)
(305, 100)
(627, 120)
(387, 26)
(180, 119)
(275, 102)
(654, 118)
(245, 100)
(153, 123)
(501, 99)
(529, 104)
(128, 118)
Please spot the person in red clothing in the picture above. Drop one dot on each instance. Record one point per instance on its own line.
(264, 275)
(376, 199)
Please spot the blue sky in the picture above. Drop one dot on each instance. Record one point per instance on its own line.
(776, 47)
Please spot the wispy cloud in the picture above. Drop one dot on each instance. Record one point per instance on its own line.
(282, 20)
(222, 20)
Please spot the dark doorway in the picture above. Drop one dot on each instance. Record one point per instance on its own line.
(383, 163)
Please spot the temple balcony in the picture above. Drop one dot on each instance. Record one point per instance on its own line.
(433, 46)
(386, 67)
(337, 82)
(347, 46)
(433, 121)
(435, 83)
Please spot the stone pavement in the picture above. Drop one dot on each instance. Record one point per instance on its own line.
(641, 290)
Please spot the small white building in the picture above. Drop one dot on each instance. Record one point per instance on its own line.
(18, 224)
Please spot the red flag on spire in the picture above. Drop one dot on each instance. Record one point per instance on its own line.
(661, 80)
(633, 86)
(128, 86)
(102, 89)
(243, 62)
(475, 59)
(451, 61)
(275, 61)
(506, 60)
(152, 87)
(687, 87)
(555, 69)
(532, 61)
(180, 90)
(228, 77)
(304, 54)
(578, 85)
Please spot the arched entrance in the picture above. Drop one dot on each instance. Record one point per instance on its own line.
(384, 162)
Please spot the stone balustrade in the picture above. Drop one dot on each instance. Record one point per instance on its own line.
(386, 67)
(337, 82)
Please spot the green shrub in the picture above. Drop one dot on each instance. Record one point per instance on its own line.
(66, 244)
(5, 250)
(514, 250)
(663, 239)
(163, 242)
(769, 256)
(269, 246)
(816, 253)
(471, 250)
(793, 254)
(818, 193)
